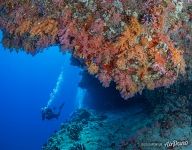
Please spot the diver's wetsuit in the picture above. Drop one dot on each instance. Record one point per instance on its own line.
(48, 114)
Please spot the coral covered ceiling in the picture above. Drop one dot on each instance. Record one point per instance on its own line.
(129, 42)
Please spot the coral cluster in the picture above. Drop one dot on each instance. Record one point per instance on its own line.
(129, 43)
(131, 129)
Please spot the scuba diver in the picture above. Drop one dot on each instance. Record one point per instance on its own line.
(48, 113)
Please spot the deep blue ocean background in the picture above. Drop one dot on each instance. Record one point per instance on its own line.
(25, 86)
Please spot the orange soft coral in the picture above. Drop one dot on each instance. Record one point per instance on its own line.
(133, 55)
(24, 27)
(43, 27)
(147, 58)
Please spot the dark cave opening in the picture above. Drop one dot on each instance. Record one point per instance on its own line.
(101, 98)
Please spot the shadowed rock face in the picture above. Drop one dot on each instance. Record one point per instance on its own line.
(100, 98)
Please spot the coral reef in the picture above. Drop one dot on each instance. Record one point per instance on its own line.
(132, 43)
(131, 129)
(77, 146)
(102, 130)
(77, 122)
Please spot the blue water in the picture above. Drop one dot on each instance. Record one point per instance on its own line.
(25, 86)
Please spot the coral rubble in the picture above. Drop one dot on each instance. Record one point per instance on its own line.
(131, 43)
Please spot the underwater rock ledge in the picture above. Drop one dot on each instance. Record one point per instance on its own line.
(91, 130)
(136, 44)
(124, 130)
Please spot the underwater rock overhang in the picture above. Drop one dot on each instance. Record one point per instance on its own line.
(121, 41)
